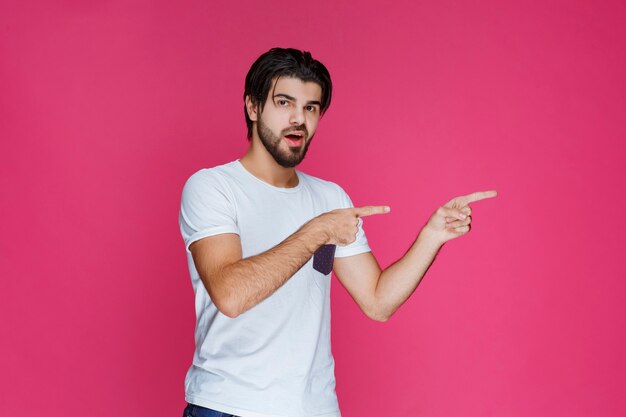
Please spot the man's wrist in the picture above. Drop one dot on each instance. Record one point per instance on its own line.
(428, 238)
(315, 234)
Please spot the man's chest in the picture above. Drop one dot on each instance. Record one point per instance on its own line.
(266, 220)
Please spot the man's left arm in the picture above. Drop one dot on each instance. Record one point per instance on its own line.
(380, 293)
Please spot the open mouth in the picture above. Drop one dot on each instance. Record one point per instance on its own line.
(295, 138)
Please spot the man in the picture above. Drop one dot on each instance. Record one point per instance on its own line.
(262, 239)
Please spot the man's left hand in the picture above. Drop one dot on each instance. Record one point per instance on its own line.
(454, 219)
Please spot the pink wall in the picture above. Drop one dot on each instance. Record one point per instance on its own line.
(107, 107)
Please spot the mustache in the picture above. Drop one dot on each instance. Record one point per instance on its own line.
(297, 129)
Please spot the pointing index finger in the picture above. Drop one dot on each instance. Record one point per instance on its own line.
(480, 195)
(371, 210)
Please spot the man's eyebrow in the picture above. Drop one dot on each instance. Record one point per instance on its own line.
(288, 97)
(285, 95)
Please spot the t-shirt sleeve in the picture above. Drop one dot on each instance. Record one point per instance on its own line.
(206, 209)
(360, 245)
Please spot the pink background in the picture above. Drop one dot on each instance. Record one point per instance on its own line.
(107, 107)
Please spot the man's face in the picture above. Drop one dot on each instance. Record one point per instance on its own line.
(289, 119)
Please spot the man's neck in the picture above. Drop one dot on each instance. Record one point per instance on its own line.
(262, 165)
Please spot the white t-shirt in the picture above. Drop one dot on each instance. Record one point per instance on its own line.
(275, 359)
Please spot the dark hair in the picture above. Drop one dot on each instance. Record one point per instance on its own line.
(284, 62)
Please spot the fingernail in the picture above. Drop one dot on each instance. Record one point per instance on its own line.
(387, 209)
(463, 216)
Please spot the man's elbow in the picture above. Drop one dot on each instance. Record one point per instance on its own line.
(227, 309)
(380, 318)
(377, 314)
(223, 301)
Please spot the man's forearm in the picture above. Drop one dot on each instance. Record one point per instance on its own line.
(398, 281)
(249, 281)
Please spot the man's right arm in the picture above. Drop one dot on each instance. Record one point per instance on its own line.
(235, 285)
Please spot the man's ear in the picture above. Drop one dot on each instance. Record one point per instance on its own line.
(251, 108)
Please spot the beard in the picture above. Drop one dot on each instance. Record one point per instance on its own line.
(290, 158)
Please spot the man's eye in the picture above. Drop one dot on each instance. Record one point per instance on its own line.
(282, 102)
(311, 108)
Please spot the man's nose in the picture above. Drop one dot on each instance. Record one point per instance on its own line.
(297, 116)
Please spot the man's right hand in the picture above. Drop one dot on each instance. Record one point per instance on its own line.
(235, 285)
(340, 226)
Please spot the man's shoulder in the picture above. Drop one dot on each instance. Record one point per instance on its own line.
(215, 171)
(210, 178)
(215, 174)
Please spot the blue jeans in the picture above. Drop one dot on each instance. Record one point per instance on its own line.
(196, 411)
